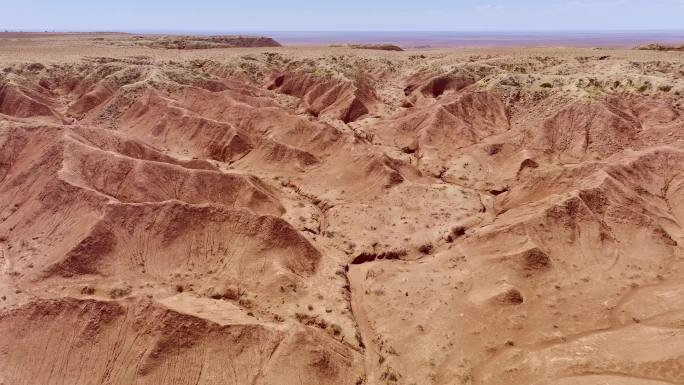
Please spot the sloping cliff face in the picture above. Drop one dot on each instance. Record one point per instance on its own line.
(205, 42)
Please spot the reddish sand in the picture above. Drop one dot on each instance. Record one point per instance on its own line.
(339, 216)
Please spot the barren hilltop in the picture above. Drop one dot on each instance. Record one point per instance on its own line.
(332, 215)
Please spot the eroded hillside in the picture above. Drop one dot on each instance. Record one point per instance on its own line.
(339, 216)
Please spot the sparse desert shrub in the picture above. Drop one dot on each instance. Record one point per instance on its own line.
(301, 317)
(35, 67)
(493, 149)
(245, 302)
(311, 320)
(390, 376)
(359, 339)
(118, 292)
(87, 290)
(546, 85)
(455, 233)
(336, 329)
(230, 293)
(536, 260)
(426, 248)
(372, 256)
(512, 297)
(408, 150)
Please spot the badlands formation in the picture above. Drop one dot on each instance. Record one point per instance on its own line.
(331, 215)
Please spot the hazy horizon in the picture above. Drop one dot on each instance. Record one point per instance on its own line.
(443, 39)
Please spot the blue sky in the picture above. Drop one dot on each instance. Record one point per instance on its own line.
(344, 15)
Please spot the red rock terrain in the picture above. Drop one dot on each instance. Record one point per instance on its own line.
(339, 216)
